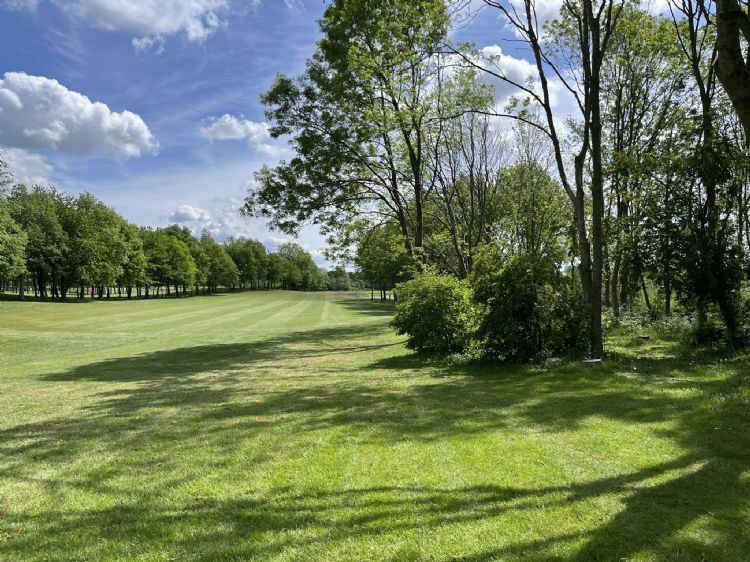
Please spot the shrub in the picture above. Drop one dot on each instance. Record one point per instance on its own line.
(676, 326)
(435, 312)
(529, 309)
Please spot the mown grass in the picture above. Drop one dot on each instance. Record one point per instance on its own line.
(288, 426)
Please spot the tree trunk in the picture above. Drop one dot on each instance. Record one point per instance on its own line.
(614, 289)
(732, 70)
(597, 185)
(646, 298)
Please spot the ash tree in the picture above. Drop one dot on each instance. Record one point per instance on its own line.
(363, 120)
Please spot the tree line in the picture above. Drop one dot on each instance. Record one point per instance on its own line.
(59, 246)
(638, 192)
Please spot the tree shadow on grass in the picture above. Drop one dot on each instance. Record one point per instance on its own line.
(186, 362)
(367, 307)
(208, 386)
(265, 524)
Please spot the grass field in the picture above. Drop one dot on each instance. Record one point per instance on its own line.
(289, 426)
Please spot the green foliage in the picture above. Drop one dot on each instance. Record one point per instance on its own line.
(12, 246)
(364, 117)
(535, 214)
(37, 213)
(381, 256)
(339, 280)
(297, 270)
(529, 310)
(250, 258)
(134, 266)
(169, 260)
(99, 240)
(435, 312)
(222, 271)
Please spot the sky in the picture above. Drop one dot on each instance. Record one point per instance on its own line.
(153, 106)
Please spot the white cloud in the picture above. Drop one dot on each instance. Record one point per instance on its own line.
(26, 167)
(546, 10)
(517, 70)
(155, 44)
(14, 5)
(224, 220)
(197, 19)
(40, 113)
(188, 213)
(229, 127)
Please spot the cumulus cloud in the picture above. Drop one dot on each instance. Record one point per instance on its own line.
(26, 167)
(546, 10)
(224, 220)
(40, 113)
(229, 127)
(188, 213)
(197, 19)
(518, 70)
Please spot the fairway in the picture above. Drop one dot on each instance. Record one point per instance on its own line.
(295, 426)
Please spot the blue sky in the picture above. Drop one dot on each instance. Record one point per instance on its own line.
(181, 129)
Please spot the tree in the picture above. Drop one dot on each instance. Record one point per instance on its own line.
(573, 50)
(338, 280)
(36, 212)
(249, 256)
(12, 246)
(713, 252)
(644, 99)
(298, 270)
(274, 270)
(101, 240)
(222, 271)
(731, 63)
(535, 216)
(134, 266)
(169, 260)
(381, 258)
(465, 201)
(6, 177)
(362, 120)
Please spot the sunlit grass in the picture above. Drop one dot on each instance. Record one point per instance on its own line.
(289, 426)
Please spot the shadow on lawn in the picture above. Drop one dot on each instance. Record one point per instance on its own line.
(210, 388)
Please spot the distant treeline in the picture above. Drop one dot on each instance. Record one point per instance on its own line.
(59, 246)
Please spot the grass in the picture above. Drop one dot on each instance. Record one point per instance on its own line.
(289, 426)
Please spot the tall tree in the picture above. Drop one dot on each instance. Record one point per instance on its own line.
(102, 242)
(644, 99)
(362, 120)
(573, 51)
(134, 265)
(36, 211)
(12, 247)
(732, 60)
(712, 264)
(467, 163)
(381, 258)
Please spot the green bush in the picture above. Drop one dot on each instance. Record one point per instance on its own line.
(529, 310)
(435, 312)
(676, 326)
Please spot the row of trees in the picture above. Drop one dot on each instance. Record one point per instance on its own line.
(403, 153)
(56, 245)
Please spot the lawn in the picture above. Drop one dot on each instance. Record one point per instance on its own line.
(290, 426)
